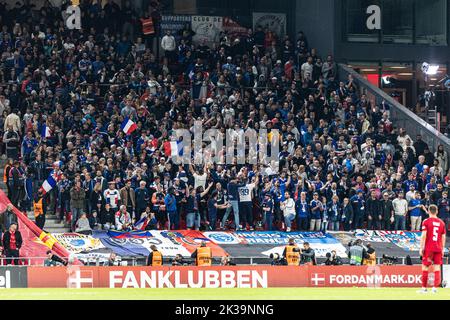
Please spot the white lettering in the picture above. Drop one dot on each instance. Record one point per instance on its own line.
(130, 280)
(260, 279)
(212, 279)
(73, 20)
(115, 277)
(374, 20)
(163, 279)
(192, 283)
(147, 280)
(243, 278)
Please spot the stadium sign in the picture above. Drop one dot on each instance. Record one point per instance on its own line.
(220, 277)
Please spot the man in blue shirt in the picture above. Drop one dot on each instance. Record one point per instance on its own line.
(267, 207)
(444, 208)
(415, 211)
(316, 213)
(303, 212)
(358, 204)
(171, 206)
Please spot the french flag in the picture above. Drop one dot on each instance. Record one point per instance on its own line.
(45, 132)
(50, 183)
(128, 126)
(176, 148)
(141, 224)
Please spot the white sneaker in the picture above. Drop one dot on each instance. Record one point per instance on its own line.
(434, 290)
(422, 291)
(288, 229)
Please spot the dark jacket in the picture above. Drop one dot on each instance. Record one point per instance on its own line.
(347, 214)
(373, 208)
(7, 239)
(386, 209)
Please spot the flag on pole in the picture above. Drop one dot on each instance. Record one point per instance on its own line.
(128, 126)
(50, 183)
(45, 132)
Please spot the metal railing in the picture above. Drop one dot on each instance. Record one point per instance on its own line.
(134, 261)
(399, 114)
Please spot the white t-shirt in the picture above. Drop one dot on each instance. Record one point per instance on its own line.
(200, 180)
(288, 206)
(245, 192)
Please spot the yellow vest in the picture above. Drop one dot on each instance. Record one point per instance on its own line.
(6, 173)
(204, 256)
(157, 259)
(38, 208)
(371, 261)
(292, 258)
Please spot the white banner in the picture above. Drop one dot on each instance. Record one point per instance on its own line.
(206, 28)
(76, 243)
(275, 22)
(320, 249)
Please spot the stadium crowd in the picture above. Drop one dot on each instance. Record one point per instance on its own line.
(65, 93)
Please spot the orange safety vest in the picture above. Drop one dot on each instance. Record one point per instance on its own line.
(157, 259)
(371, 261)
(6, 173)
(292, 258)
(204, 256)
(147, 26)
(38, 208)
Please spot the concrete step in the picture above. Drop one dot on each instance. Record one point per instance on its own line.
(56, 230)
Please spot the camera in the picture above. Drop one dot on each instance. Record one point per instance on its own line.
(388, 260)
(277, 260)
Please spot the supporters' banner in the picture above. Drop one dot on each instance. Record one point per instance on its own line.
(35, 241)
(206, 28)
(320, 249)
(274, 241)
(407, 240)
(170, 243)
(224, 277)
(233, 28)
(76, 243)
(174, 23)
(275, 22)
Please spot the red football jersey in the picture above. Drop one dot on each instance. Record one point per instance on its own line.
(435, 228)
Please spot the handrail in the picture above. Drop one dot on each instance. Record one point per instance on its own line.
(399, 114)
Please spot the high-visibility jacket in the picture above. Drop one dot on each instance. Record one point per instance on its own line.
(371, 261)
(204, 256)
(292, 258)
(38, 208)
(147, 26)
(157, 258)
(6, 173)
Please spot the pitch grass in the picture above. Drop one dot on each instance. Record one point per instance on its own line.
(224, 294)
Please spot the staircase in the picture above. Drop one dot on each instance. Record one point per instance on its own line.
(431, 117)
(51, 221)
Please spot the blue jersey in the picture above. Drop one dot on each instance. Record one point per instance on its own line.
(417, 211)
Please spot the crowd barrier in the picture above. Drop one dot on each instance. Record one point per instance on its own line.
(210, 277)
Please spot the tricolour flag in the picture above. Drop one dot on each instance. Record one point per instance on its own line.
(45, 132)
(176, 148)
(128, 126)
(141, 224)
(50, 183)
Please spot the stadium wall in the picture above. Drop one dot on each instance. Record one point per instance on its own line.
(212, 277)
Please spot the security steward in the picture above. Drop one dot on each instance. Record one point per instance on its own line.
(203, 255)
(357, 253)
(39, 208)
(291, 253)
(155, 258)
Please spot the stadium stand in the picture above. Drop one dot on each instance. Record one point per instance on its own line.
(87, 116)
